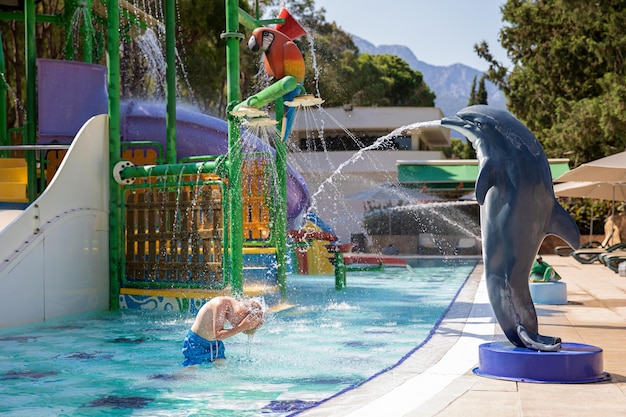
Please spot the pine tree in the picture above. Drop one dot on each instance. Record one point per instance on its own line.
(481, 94)
(472, 97)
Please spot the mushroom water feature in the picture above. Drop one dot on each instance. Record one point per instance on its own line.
(518, 210)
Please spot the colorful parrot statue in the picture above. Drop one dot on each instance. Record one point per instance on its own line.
(282, 57)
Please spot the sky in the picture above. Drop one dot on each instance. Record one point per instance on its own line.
(439, 32)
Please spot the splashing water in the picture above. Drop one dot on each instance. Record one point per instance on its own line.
(150, 46)
(316, 70)
(380, 142)
(461, 223)
(18, 104)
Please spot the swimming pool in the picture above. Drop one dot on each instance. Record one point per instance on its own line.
(127, 362)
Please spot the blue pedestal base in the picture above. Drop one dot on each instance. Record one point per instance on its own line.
(574, 363)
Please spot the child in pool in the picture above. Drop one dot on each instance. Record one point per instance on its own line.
(203, 342)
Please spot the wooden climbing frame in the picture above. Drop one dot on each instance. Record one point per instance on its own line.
(175, 235)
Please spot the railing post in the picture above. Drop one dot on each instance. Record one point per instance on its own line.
(115, 191)
(235, 243)
(31, 91)
(340, 271)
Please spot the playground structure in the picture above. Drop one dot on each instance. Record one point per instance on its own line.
(100, 222)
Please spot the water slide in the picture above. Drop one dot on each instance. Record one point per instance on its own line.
(58, 247)
(65, 103)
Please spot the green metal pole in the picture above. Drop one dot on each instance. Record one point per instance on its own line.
(170, 78)
(252, 23)
(171, 169)
(115, 191)
(4, 138)
(234, 148)
(340, 271)
(281, 216)
(41, 18)
(31, 98)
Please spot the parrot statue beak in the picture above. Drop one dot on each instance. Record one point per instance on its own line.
(252, 44)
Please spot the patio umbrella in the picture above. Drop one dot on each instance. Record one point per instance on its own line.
(390, 191)
(590, 189)
(598, 190)
(609, 169)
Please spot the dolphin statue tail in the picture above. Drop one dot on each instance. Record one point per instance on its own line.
(562, 225)
(536, 341)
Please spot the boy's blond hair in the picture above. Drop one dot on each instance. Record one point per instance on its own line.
(256, 309)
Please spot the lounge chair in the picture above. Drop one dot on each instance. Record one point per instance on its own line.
(605, 244)
(568, 250)
(589, 251)
(612, 259)
(590, 255)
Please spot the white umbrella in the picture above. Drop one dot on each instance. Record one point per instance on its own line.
(609, 169)
(589, 189)
(598, 190)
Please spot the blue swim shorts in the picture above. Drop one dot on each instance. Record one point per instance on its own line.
(198, 350)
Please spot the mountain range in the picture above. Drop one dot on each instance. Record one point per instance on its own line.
(452, 84)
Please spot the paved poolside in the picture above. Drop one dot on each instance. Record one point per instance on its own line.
(438, 379)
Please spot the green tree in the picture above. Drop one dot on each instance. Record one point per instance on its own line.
(481, 94)
(472, 97)
(385, 80)
(459, 149)
(566, 83)
(478, 96)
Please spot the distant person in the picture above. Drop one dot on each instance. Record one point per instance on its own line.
(203, 342)
(390, 250)
(541, 271)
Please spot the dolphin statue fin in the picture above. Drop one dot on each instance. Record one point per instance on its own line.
(538, 342)
(485, 180)
(562, 225)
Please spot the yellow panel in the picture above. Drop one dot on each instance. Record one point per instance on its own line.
(318, 259)
(14, 174)
(13, 192)
(248, 290)
(257, 251)
(12, 162)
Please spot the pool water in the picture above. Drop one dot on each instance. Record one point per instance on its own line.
(127, 362)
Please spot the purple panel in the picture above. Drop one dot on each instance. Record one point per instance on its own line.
(69, 94)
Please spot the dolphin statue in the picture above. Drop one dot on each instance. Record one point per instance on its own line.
(517, 210)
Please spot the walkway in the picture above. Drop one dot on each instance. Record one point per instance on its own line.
(438, 379)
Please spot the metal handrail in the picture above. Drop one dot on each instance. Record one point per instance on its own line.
(33, 147)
